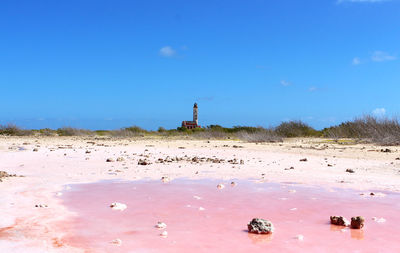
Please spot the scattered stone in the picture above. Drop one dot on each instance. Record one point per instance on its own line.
(35, 150)
(161, 225)
(143, 162)
(117, 242)
(110, 160)
(88, 152)
(181, 147)
(165, 179)
(118, 206)
(164, 234)
(339, 220)
(379, 220)
(220, 186)
(386, 150)
(41, 205)
(260, 226)
(234, 146)
(350, 171)
(233, 184)
(291, 168)
(357, 222)
(4, 174)
(398, 158)
(303, 160)
(120, 159)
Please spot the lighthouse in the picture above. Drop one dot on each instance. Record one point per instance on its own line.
(195, 113)
(195, 122)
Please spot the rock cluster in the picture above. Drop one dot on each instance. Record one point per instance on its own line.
(4, 174)
(143, 162)
(339, 220)
(260, 226)
(357, 222)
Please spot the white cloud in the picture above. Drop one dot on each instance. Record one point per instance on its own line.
(285, 83)
(379, 112)
(380, 56)
(356, 61)
(361, 1)
(167, 51)
(312, 88)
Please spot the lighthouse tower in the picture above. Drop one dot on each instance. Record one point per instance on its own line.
(195, 122)
(195, 114)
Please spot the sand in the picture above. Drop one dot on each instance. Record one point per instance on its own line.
(32, 215)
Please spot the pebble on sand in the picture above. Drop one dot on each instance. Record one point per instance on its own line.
(379, 220)
(161, 225)
(117, 242)
(118, 206)
(165, 179)
(220, 186)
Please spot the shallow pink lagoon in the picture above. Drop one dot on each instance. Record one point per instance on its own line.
(222, 225)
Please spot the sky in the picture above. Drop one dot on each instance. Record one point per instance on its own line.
(101, 64)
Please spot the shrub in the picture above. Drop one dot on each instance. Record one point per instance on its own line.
(259, 136)
(70, 131)
(382, 131)
(295, 129)
(13, 130)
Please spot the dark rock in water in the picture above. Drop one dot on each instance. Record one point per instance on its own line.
(260, 226)
(357, 222)
(303, 160)
(350, 171)
(339, 220)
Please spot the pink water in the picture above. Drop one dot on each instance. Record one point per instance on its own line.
(222, 225)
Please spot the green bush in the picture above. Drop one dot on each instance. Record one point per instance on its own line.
(296, 129)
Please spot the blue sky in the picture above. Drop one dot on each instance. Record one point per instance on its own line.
(109, 64)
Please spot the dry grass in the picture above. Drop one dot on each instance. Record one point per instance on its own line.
(259, 136)
(13, 130)
(383, 131)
